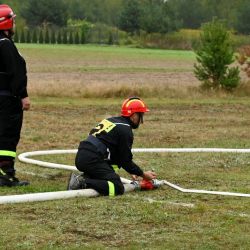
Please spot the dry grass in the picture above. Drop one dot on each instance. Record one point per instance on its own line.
(148, 220)
(107, 72)
(91, 71)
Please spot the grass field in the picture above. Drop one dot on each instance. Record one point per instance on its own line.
(62, 114)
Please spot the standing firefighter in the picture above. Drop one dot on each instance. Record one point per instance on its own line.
(13, 98)
(107, 148)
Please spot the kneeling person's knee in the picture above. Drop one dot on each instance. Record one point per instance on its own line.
(115, 187)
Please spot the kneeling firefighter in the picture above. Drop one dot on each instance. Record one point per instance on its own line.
(13, 98)
(108, 148)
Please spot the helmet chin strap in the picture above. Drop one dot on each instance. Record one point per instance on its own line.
(134, 126)
(9, 33)
(141, 118)
(140, 121)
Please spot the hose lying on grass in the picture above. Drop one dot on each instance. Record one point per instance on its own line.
(92, 193)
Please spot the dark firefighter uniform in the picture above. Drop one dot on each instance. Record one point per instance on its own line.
(107, 148)
(13, 82)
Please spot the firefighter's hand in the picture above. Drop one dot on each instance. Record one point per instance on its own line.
(26, 103)
(149, 175)
(135, 177)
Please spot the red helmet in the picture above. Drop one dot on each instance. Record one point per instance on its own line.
(133, 105)
(6, 17)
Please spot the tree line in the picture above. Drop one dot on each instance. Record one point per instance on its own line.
(134, 16)
(99, 34)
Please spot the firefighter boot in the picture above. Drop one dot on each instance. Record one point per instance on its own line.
(76, 182)
(7, 175)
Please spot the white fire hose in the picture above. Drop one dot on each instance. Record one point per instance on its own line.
(127, 183)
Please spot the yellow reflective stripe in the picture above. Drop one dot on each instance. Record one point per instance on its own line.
(7, 153)
(2, 172)
(111, 188)
(115, 167)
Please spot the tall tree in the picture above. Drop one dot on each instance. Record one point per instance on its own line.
(130, 16)
(191, 13)
(104, 11)
(157, 16)
(243, 18)
(45, 12)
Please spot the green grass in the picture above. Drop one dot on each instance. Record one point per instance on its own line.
(160, 219)
(90, 58)
(106, 51)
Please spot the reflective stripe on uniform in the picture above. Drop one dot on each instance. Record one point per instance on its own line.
(120, 123)
(111, 188)
(115, 167)
(2, 172)
(7, 153)
(2, 39)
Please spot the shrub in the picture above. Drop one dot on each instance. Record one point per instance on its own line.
(214, 55)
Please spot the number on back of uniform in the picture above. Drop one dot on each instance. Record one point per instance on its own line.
(104, 126)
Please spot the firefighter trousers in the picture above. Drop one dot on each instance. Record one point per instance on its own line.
(11, 117)
(99, 174)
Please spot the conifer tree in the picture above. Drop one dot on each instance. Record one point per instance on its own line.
(110, 38)
(65, 37)
(71, 41)
(28, 37)
(59, 37)
(16, 36)
(53, 37)
(34, 36)
(22, 36)
(214, 56)
(83, 38)
(46, 36)
(40, 38)
(77, 38)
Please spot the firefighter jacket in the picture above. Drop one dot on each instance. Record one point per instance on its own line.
(13, 74)
(116, 135)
